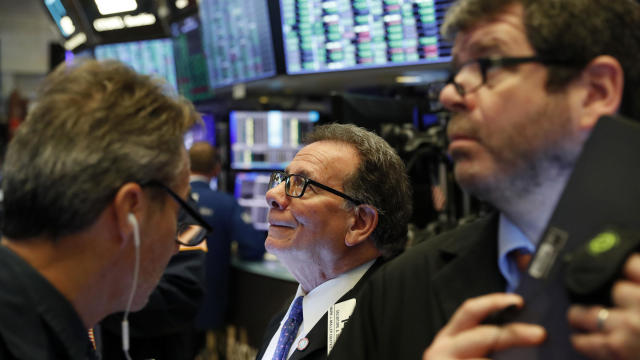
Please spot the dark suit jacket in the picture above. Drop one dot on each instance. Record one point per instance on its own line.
(407, 301)
(165, 328)
(317, 348)
(224, 214)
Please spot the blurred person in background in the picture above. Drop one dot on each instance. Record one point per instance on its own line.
(231, 223)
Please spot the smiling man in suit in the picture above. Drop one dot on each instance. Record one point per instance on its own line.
(339, 209)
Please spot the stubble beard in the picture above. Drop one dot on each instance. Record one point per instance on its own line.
(524, 173)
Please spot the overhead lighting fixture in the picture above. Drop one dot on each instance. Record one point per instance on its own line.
(67, 26)
(181, 4)
(404, 79)
(75, 41)
(108, 7)
(108, 23)
(139, 20)
(119, 22)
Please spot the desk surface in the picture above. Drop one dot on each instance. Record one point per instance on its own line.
(270, 268)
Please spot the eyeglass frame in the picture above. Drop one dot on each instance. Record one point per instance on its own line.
(184, 206)
(307, 181)
(487, 63)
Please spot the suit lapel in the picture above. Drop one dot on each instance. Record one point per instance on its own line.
(470, 266)
(317, 336)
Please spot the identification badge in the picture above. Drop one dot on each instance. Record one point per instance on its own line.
(337, 317)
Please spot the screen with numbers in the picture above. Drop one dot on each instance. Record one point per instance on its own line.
(329, 35)
(267, 139)
(149, 57)
(237, 41)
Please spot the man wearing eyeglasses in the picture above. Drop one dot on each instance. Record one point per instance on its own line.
(531, 78)
(342, 203)
(94, 185)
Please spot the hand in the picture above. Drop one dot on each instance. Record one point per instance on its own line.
(464, 337)
(612, 333)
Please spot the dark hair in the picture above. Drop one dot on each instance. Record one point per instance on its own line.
(575, 31)
(95, 126)
(204, 157)
(380, 180)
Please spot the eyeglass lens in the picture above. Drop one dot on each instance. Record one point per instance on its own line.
(294, 184)
(189, 232)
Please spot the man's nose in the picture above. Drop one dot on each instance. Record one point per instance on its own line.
(451, 99)
(276, 197)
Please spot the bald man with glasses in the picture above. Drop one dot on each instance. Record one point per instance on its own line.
(338, 210)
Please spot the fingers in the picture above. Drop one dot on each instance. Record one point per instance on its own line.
(591, 318)
(473, 311)
(464, 337)
(626, 294)
(632, 268)
(594, 346)
(614, 336)
(482, 340)
(485, 339)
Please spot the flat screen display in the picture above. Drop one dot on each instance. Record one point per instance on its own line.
(267, 139)
(201, 132)
(191, 61)
(237, 41)
(250, 189)
(321, 36)
(149, 57)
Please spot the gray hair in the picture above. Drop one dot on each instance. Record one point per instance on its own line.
(95, 126)
(380, 180)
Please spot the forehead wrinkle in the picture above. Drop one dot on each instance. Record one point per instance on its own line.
(317, 164)
(321, 161)
(490, 36)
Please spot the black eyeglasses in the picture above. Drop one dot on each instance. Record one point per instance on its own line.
(295, 185)
(187, 216)
(477, 69)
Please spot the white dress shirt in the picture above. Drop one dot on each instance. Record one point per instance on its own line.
(316, 303)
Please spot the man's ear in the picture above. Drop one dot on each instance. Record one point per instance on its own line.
(365, 221)
(604, 81)
(128, 200)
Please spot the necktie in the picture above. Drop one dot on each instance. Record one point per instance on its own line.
(92, 338)
(289, 330)
(522, 259)
(517, 262)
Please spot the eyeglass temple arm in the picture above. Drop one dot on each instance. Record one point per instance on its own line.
(335, 192)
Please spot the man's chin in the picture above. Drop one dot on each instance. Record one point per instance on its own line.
(473, 182)
(275, 245)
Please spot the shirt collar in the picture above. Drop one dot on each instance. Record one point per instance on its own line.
(510, 238)
(200, 178)
(316, 303)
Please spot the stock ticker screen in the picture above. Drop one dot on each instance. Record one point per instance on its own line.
(321, 36)
(267, 139)
(191, 62)
(149, 57)
(237, 41)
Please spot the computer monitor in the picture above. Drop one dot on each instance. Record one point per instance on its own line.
(201, 132)
(267, 139)
(149, 57)
(191, 61)
(329, 35)
(250, 190)
(237, 41)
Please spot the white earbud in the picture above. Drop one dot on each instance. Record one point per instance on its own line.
(136, 231)
(125, 322)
